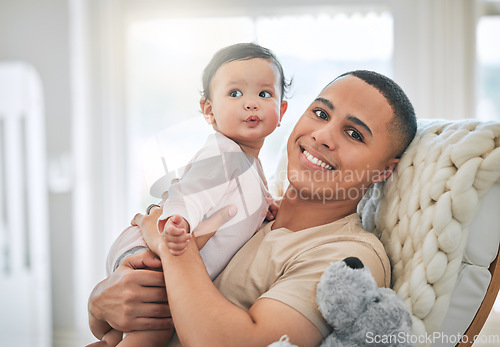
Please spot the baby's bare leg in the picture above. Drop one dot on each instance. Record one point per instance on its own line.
(147, 338)
(111, 339)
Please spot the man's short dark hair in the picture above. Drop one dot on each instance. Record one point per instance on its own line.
(404, 122)
(240, 51)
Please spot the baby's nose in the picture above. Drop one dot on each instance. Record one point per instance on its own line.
(251, 104)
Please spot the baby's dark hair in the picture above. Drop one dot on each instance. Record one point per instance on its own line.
(404, 122)
(240, 51)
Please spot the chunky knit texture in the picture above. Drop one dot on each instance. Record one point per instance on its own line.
(422, 213)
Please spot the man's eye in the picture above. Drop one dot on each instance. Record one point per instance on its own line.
(235, 93)
(355, 135)
(321, 114)
(264, 94)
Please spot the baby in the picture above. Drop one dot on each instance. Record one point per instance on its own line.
(243, 91)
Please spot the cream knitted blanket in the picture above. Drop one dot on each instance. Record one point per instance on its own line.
(422, 213)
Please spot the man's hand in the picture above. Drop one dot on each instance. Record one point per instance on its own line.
(218, 219)
(273, 211)
(131, 298)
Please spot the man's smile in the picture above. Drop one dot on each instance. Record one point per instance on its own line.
(321, 162)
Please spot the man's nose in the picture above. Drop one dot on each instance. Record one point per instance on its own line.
(325, 137)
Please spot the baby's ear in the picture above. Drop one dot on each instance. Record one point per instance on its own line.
(283, 107)
(206, 109)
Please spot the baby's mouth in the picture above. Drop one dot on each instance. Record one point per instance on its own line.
(252, 119)
(316, 161)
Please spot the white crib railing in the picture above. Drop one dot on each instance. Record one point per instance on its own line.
(25, 296)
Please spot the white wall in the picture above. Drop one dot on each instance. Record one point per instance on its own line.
(37, 31)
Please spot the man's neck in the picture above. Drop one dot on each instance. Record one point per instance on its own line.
(297, 214)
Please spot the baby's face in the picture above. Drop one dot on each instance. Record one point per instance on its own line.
(246, 101)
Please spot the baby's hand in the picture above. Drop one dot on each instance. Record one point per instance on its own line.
(177, 234)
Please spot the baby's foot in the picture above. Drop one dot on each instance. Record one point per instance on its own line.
(177, 234)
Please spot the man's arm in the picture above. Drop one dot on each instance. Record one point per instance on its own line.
(132, 298)
(203, 316)
(97, 326)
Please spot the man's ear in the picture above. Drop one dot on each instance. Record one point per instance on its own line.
(206, 109)
(388, 170)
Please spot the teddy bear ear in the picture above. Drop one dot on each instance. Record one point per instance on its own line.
(354, 263)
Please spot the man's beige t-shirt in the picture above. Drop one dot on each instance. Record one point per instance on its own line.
(286, 266)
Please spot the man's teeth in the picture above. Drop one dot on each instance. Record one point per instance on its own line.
(317, 161)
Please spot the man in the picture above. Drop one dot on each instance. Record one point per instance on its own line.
(351, 136)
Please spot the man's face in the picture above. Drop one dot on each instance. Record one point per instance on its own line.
(341, 144)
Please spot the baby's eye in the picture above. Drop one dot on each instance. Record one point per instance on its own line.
(321, 114)
(264, 94)
(355, 135)
(235, 93)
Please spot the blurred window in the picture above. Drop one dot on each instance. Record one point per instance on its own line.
(488, 65)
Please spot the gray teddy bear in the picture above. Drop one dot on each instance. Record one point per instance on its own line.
(360, 313)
